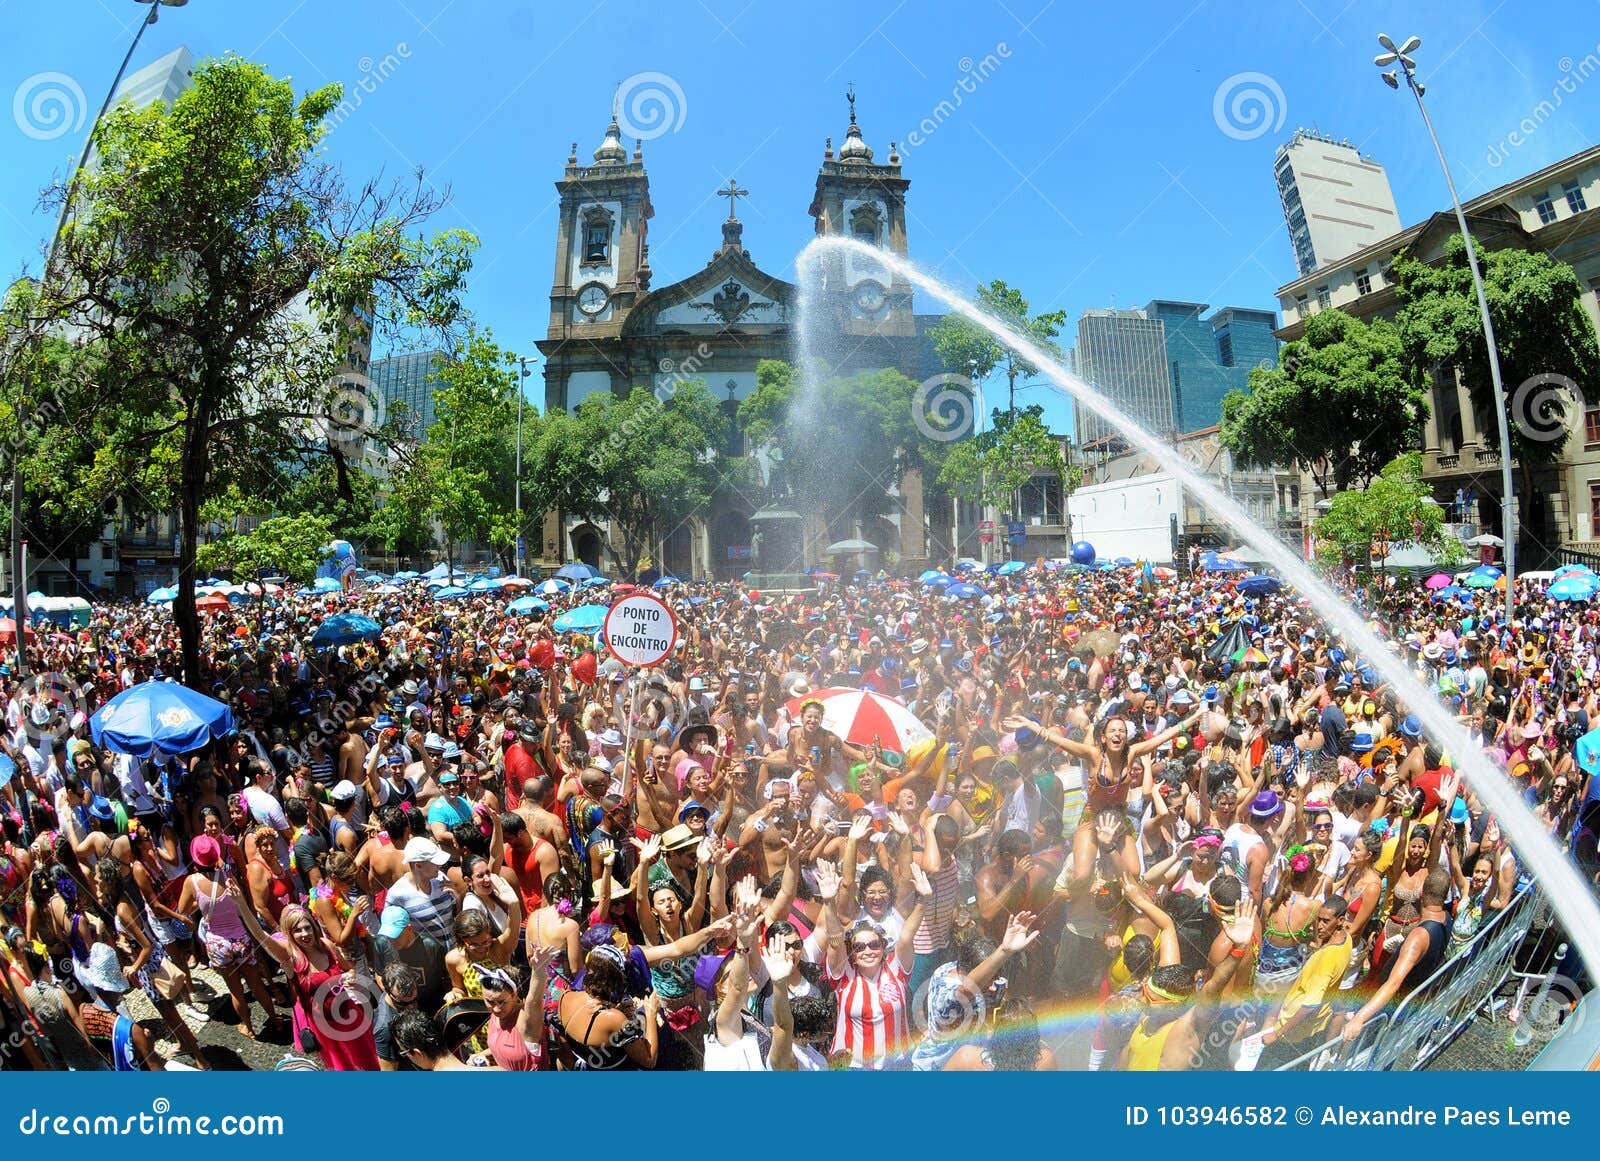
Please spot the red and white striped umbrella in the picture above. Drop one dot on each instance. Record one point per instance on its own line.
(860, 717)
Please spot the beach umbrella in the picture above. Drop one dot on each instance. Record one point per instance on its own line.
(528, 604)
(964, 592)
(663, 582)
(514, 582)
(577, 571)
(160, 596)
(941, 582)
(1480, 580)
(1123, 562)
(407, 575)
(210, 603)
(583, 619)
(553, 587)
(1162, 572)
(966, 563)
(1487, 570)
(8, 630)
(483, 585)
(1103, 641)
(344, 628)
(1234, 640)
(1437, 581)
(1570, 569)
(1011, 566)
(929, 575)
(1568, 588)
(326, 584)
(1447, 592)
(449, 593)
(595, 582)
(156, 719)
(1259, 585)
(1253, 656)
(860, 717)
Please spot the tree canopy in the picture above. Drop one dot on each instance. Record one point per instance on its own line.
(1540, 328)
(1341, 404)
(1393, 509)
(990, 467)
(967, 349)
(219, 265)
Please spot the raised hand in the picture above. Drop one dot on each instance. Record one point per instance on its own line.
(649, 849)
(860, 826)
(898, 824)
(1018, 936)
(703, 853)
(828, 880)
(1242, 930)
(919, 879)
(776, 960)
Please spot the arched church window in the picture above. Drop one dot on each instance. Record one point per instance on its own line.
(596, 237)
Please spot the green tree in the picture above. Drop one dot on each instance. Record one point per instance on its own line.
(462, 474)
(1540, 328)
(286, 546)
(967, 349)
(990, 467)
(1341, 404)
(219, 260)
(650, 463)
(1395, 508)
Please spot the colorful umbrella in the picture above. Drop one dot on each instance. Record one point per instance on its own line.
(1011, 566)
(343, 628)
(1253, 656)
(577, 571)
(1437, 581)
(156, 719)
(964, 592)
(1259, 586)
(553, 587)
(528, 605)
(1568, 588)
(862, 717)
(583, 619)
(210, 603)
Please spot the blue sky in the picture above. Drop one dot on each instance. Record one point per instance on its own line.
(1087, 167)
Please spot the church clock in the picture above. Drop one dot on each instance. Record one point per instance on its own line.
(592, 299)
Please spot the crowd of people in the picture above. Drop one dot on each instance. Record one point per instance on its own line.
(477, 842)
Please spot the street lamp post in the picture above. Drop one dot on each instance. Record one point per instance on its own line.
(1403, 56)
(19, 583)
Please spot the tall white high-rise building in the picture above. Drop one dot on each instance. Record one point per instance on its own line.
(160, 80)
(1122, 354)
(1334, 200)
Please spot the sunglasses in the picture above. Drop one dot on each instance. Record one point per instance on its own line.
(869, 945)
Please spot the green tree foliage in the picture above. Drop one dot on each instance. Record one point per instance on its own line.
(967, 349)
(1540, 328)
(647, 466)
(462, 474)
(1341, 404)
(286, 546)
(992, 465)
(1393, 509)
(216, 258)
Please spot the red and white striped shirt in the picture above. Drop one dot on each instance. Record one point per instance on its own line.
(874, 1014)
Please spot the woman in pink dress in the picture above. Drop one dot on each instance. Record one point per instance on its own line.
(332, 1005)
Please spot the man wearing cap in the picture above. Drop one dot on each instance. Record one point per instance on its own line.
(398, 941)
(676, 866)
(522, 761)
(450, 809)
(430, 896)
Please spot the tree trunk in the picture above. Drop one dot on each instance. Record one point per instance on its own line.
(192, 486)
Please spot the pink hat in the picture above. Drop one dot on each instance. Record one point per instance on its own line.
(204, 851)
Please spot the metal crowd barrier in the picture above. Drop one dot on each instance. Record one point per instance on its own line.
(1439, 1009)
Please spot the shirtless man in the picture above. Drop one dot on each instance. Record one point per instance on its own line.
(536, 791)
(381, 857)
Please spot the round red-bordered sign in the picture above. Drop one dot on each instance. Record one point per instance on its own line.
(644, 625)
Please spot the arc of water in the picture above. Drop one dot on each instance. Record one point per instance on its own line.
(1566, 889)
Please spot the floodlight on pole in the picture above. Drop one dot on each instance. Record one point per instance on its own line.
(1508, 529)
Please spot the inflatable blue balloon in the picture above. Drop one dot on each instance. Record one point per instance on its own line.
(1083, 553)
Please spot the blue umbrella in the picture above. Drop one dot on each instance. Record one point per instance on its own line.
(528, 605)
(1259, 586)
(968, 564)
(553, 587)
(408, 574)
(595, 582)
(583, 619)
(964, 592)
(1573, 588)
(663, 582)
(156, 719)
(929, 575)
(1221, 565)
(1488, 570)
(160, 596)
(1123, 561)
(343, 628)
(326, 584)
(1447, 592)
(1011, 566)
(449, 593)
(577, 571)
(482, 585)
(940, 582)
(1569, 569)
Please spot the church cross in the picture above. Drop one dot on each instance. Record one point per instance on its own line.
(733, 193)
